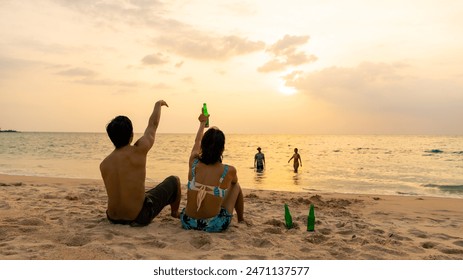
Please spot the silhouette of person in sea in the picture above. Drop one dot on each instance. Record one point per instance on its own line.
(297, 158)
(259, 160)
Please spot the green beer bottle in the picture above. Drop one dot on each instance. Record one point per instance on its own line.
(206, 114)
(311, 219)
(288, 218)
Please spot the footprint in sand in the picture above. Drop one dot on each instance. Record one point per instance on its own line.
(361, 226)
(429, 245)
(9, 251)
(301, 200)
(77, 240)
(280, 224)
(128, 245)
(316, 199)
(156, 244)
(378, 231)
(108, 236)
(315, 238)
(71, 197)
(31, 222)
(229, 257)
(451, 251)
(346, 232)
(418, 233)
(201, 241)
(6, 234)
(50, 196)
(256, 257)
(273, 230)
(398, 237)
(340, 224)
(325, 231)
(383, 251)
(251, 195)
(261, 243)
(4, 205)
(444, 236)
(275, 222)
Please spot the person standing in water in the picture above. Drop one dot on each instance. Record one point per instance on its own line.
(259, 161)
(297, 159)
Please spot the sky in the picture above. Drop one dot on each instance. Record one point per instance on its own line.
(262, 67)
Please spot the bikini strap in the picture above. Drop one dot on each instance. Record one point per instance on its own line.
(218, 191)
(193, 167)
(193, 170)
(224, 173)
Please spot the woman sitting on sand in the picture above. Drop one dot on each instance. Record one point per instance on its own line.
(213, 189)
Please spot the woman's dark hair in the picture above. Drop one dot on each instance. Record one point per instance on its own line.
(120, 131)
(212, 146)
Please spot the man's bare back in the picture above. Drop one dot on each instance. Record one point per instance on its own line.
(124, 172)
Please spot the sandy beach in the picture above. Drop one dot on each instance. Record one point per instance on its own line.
(64, 219)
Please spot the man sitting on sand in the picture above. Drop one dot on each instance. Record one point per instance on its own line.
(124, 172)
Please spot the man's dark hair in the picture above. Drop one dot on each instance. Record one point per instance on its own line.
(212, 146)
(120, 131)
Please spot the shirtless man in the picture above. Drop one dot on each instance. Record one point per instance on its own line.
(124, 172)
(297, 159)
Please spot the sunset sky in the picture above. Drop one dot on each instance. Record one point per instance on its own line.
(299, 67)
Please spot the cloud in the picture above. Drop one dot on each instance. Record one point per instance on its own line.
(179, 64)
(106, 82)
(242, 8)
(172, 35)
(198, 45)
(154, 59)
(88, 77)
(161, 86)
(188, 79)
(122, 10)
(10, 65)
(285, 54)
(381, 88)
(77, 72)
(288, 43)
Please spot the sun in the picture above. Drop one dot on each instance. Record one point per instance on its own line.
(282, 88)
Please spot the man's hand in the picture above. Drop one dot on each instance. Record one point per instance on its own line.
(147, 140)
(162, 103)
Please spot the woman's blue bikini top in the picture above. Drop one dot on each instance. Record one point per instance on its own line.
(203, 189)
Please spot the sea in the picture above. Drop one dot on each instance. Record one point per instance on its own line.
(359, 164)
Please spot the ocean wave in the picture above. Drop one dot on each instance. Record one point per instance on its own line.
(446, 188)
(406, 193)
(434, 151)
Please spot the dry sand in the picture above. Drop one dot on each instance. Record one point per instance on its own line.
(55, 218)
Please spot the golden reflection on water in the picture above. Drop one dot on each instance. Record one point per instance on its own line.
(429, 165)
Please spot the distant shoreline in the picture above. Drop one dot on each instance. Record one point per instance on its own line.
(8, 130)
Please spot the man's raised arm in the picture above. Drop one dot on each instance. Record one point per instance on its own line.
(147, 140)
